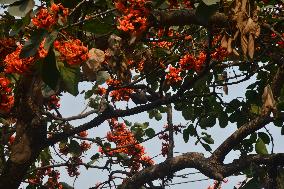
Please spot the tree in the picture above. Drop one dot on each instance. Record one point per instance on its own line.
(156, 56)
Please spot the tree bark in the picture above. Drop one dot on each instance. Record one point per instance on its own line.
(30, 132)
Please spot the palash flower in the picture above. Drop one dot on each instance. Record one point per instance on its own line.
(72, 51)
(14, 64)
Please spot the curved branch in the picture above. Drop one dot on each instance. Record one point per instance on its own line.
(220, 153)
(206, 166)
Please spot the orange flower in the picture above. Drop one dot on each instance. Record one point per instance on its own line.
(6, 102)
(83, 134)
(187, 62)
(72, 51)
(173, 75)
(41, 51)
(43, 19)
(14, 64)
(135, 15)
(122, 136)
(46, 19)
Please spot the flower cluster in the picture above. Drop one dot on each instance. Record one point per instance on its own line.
(15, 64)
(121, 94)
(173, 76)
(219, 54)
(72, 51)
(53, 102)
(6, 98)
(165, 138)
(121, 136)
(47, 18)
(42, 52)
(85, 146)
(73, 166)
(52, 181)
(135, 15)
(188, 61)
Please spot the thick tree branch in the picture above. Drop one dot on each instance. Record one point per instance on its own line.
(187, 17)
(170, 166)
(220, 153)
(207, 166)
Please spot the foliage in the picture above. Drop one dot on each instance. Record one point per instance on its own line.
(140, 56)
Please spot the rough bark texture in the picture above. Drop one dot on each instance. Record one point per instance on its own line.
(30, 132)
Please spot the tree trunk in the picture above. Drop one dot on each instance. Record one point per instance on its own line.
(30, 132)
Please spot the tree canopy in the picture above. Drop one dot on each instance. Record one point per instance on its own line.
(156, 56)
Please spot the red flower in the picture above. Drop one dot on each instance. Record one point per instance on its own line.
(14, 64)
(72, 51)
(173, 75)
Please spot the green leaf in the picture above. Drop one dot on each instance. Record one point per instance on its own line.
(282, 131)
(264, 137)
(186, 133)
(74, 148)
(255, 109)
(158, 116)
(211, 2)
(95, 157)
(187, 113)
(66, 186)
(206, 147)
(100, 26)
(150, 132)
(50, 39)
(251, 184)
(49, 72)
(20, 25)
(204, 12)
(223, 119)
(208, 139)
(70, 76)
(45, 155)
(260, 147)
(31, 46)
(22, 8)
(207, 122)
(102, 76)
(233, 105)
(88, 94)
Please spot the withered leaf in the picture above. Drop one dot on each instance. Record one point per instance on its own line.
(229, 48)
(244, 44)
(268, 100)
(236, 52)
(251, 46)
(92, 66)
(224, 42)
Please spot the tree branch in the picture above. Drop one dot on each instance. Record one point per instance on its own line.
(206, 166)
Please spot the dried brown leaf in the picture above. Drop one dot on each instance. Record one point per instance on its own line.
(93, 65)
(229, 48)
(251, 46)
(268, 100)
(236, 52)
(224, 42)
(244, 44)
